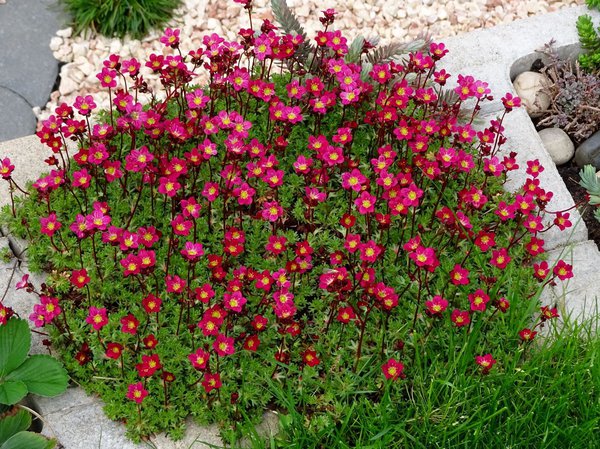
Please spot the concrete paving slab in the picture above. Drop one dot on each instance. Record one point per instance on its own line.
(16, 117)
(78, 422)
(27, 154)
(26, 62)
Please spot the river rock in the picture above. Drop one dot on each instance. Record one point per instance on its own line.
(529, 87)
(589, 151)
(558, 145)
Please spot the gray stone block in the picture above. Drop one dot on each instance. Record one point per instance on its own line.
(27, 154)
(26, 62)
(578, 297)
(16, 117)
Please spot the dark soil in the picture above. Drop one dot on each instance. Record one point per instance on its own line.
(570, 175)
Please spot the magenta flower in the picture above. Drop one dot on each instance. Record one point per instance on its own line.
(192, 251)
(223, 345)
(97, 318)
(170, 38)
(478, 300)
(50, 224)
(136, 392)
(436, 305)
(6, 168)
(199, 358)
(365, 203)
(271, 211)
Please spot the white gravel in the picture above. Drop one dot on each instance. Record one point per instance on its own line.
(389, 19)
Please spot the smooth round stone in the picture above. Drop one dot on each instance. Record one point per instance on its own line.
(589, 151)
(558, 145)
(529, 87)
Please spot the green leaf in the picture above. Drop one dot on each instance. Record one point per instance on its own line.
(13, 424)
(43, 375)
(28, 440)
(12, 392)
(15, 341)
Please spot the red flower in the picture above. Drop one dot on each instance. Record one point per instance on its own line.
(548, 313)
(136, 392)
(309, 357)
(478, 301)
(486, 362)
(199, 359)
(251, 343)
(151, 303)
(114, 350)
(79, 278)
(527, 334)
(460, 318)
(393, 369)
(129, 324)
(211, 382)
(563, 270)
(150, 341)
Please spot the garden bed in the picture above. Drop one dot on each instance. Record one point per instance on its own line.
(520, 131)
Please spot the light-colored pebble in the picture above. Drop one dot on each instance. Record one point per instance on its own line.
(530, 88)
(558, 145)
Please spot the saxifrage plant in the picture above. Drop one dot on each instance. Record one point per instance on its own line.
(314, 215)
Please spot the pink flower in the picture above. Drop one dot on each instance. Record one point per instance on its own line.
(459, 275)
(168, 186)
(210, 191)
(411, 195)
(192, 251)
(181, 226)
(271, 211)
(234, 301)
(500, 258)
(510, 102)
(136, 392)
(6, 168)
(199, 359)
(170, 38)
(353, 180)
(276, 244)
(175, 284)
(478, 301)
(50, 224)
(486, 362)
(369, 251)
(107, 78)
(97, 318)
(436, 305)
(223, 345)
(365, 203)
